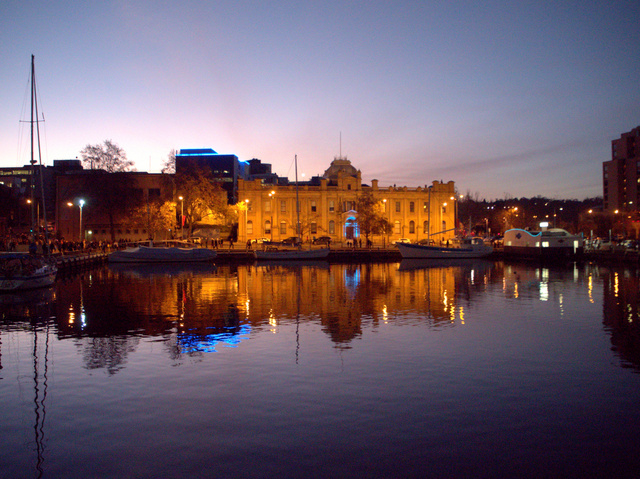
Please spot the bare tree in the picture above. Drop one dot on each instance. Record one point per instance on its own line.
(107, 156)
(170, 165)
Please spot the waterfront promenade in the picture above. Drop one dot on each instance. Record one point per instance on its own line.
(239, 254)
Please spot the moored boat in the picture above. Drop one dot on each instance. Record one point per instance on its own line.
(466, 248)
(146, 254)
(548, 243)
(22, 271)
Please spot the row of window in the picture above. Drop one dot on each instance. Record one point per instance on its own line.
(346, 206)
(313, 227)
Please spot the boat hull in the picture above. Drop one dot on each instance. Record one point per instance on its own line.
(408, 250)
(144, 254)
(292, 255)
(22, 271)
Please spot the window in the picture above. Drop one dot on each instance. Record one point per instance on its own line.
(283, 206)
(249, 227)
(412, 227)
(397, 207)
(444, 209)
(313, 227)
(425, 227)
(332, 206)
(412, 207)
(267, 205)
(267, 227)
(348, 187)
(425, 207)
(283, 227)
(249, 206)
(396, 228)
(313, 206)
(332, 227)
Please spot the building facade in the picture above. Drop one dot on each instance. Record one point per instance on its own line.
(328, 208)
(621, 175)
(82, 211)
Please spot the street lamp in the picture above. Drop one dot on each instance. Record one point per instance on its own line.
(384, 238)
(81, 204)
(181, 216)
(246, 213)
(271, 206)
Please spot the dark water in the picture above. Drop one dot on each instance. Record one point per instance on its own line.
(378, 370)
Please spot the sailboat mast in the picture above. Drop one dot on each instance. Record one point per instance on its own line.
(297, 201)
(33, 161)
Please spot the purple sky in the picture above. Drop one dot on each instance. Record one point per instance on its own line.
(504, 98)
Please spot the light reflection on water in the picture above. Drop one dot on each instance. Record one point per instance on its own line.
(412, 369)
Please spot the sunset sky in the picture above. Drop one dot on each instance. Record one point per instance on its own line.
(505, 98)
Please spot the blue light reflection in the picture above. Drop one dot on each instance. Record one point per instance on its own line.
(192, 343)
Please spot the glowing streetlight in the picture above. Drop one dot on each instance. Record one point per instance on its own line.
(271, 195)
(246, 213)
(181, 216)
(384, 238)
(81, 204)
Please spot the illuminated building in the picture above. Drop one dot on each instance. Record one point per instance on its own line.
(328, 208)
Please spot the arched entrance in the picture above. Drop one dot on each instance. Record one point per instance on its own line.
(350, 228)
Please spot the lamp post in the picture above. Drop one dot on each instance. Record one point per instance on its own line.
(246, 214)
(81, 204)
(384, 238)
(181, 217)
(271, 195)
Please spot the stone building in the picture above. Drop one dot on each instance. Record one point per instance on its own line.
(327, 208)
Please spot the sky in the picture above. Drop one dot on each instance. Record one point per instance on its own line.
(506, 99)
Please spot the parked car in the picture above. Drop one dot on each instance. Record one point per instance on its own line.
(402, 240)
(322, 240)
(260, 240)
(427, 242)
(291, 240)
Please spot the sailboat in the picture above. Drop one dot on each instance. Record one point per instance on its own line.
(21, 270)
(293, 254)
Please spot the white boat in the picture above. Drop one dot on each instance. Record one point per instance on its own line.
(466, 248)
(22, 271)
(292, 254)
(147, 254)
(548, 243)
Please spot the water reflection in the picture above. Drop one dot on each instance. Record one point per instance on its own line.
(392, 359)
(200, 308)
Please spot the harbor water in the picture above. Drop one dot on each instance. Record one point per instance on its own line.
(411, 369)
